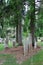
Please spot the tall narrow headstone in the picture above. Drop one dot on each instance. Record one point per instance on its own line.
(26, 44)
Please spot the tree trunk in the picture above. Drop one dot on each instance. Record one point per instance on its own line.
(17, 33)
(32, 23)
(20, 33)
(32, 31)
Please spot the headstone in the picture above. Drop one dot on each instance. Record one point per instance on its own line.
(5, 45)
(35, 42)
(35, 45)
(26, 44)
(13, 41)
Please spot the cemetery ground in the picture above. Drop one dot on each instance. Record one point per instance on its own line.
(14, 56)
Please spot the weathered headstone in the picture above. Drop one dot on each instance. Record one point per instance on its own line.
(6, 42)
(5, 45)
(13, 41)
(26, 44)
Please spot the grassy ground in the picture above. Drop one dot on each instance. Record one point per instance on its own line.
(11, 60)
(34, 60)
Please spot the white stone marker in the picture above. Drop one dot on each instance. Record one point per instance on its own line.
(26, 44)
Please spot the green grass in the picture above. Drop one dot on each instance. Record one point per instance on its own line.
(35, 60)
(9, 59)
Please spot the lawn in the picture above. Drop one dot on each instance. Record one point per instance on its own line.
(35, 60)
(8, 59)
(11, 60)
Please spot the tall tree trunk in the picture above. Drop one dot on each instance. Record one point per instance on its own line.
(32, 29)
(2, 27)
(20, 33)
(32, 23)
(17, 33)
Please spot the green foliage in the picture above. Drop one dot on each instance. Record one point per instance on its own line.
(39, 28)
(12, 12)
(25, 34)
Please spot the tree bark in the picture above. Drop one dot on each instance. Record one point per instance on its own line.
(32, 23)
(32, 29)
(19, 33)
